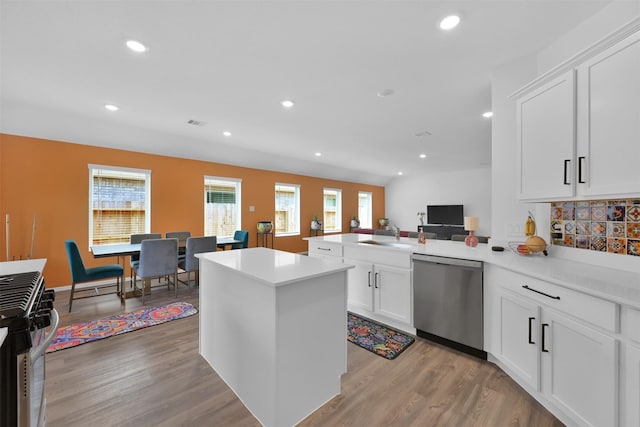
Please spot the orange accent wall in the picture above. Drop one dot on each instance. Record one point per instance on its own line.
(50, 179)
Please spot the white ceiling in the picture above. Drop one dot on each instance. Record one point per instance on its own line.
(230, 63)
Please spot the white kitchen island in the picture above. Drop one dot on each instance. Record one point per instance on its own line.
(273, 326)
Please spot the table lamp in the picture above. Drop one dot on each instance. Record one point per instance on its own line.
(471, 225)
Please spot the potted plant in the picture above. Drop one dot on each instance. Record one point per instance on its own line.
(354, 222)
(315, 223)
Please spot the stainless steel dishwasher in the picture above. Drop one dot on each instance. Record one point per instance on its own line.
(447, 299)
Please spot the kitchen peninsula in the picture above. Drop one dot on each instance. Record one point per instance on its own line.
(273, 327)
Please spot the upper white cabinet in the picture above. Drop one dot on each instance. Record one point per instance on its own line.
(578, 134)
(609, 121)
(546, 140)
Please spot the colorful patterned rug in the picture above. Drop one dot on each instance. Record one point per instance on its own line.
(376, 338)
(81, 333)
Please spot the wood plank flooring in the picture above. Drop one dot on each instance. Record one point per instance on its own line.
(155, 377)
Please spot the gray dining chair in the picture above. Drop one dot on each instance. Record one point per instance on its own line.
(158, 258)
(196, 245)
(462, 237)
(138, 238)
(384, 233)
(427, 235)
(182, 237)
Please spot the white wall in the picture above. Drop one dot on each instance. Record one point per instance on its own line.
(406, 195)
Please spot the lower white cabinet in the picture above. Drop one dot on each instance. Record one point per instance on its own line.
(563, 359)
(630, 376)
(380, 289)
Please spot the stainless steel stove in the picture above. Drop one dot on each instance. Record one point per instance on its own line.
(26, 310)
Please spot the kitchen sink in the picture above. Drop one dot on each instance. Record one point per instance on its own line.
(387, 243)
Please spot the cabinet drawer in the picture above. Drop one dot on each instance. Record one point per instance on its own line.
(325, 248)
(582, 306)
(376, 255)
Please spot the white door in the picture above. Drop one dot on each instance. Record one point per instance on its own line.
(546, 140)
(392, 292)
(609, 121)
(360, 285)
(630, 406)
(579, 366)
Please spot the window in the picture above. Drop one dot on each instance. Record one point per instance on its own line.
(119, 204)
(332, 210)
(287, 209)
(221, 206)
(365, 209)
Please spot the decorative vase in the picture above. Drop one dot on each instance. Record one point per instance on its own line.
(355, 223)
(316, 225)
(265, 227)
(384, 222)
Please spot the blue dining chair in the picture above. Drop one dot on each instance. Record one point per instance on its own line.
(158, 258)
(182, 237)
(241, 235)
(196, 245)
(81, 274)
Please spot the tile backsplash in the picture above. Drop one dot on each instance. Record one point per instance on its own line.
(598, 225)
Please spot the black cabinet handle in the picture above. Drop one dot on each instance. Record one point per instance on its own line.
(580, 162)
(544, 350)
(369, 278)
(540, 292)
(321, 249)
(376, 281)
(530, 338)
(566, 173)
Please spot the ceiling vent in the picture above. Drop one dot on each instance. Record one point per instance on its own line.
(196, 123)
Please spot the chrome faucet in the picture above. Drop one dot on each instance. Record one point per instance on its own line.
(396, 231)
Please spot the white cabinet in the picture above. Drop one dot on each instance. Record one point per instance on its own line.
(630, 405)
(577, 134)
(609, 121)
(546, 140)
(556, 342)
(380, 285)
(325, 250)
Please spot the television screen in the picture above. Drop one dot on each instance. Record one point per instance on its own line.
(445, 214)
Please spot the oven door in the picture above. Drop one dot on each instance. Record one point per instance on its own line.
(31, 374)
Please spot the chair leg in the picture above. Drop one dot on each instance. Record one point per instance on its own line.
(73, 288)
(175, 283)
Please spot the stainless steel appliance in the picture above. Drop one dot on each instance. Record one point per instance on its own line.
(26, 310)
(447, 296)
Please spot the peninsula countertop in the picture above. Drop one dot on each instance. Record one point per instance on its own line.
(273, 267)
(616, 285)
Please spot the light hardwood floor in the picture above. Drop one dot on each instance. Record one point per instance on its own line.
(155, 377)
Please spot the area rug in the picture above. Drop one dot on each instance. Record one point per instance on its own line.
(376, 338)
(82, 333)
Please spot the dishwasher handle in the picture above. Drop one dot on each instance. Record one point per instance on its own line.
(448, 261)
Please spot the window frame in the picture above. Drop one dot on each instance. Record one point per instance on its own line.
(147, 195)
(338, 210)
(238, 195)
(297, 191)
(368, 221)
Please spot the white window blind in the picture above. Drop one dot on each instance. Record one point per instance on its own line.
(287, 211)
(332, 210)
(119, 204)
(365, 215)
(222, 206)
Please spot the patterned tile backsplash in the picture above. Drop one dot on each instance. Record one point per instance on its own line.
(598, 225)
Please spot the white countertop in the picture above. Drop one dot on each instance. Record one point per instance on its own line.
(25, 266)
(273, 267)
(615, 285)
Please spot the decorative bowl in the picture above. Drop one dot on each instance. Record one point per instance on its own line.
(265, 226)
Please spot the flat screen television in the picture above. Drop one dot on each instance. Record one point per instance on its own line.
(445, 214)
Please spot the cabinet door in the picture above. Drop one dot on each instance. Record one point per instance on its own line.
(519, 339)
(546, 140)
(580, 370)
(392, 293)
(609, 121)
(630, 375)
(360, 285)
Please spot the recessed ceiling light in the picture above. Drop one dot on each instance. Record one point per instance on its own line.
(385, 92)
(423, 133)
(226, 133)
(450, 22)
(111, 107)
(400, 173)
(422, 156)
(487, 114)
(318, 154)
(136, 46)
(287, 103)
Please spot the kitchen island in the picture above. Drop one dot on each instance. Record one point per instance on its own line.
(273, 327)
